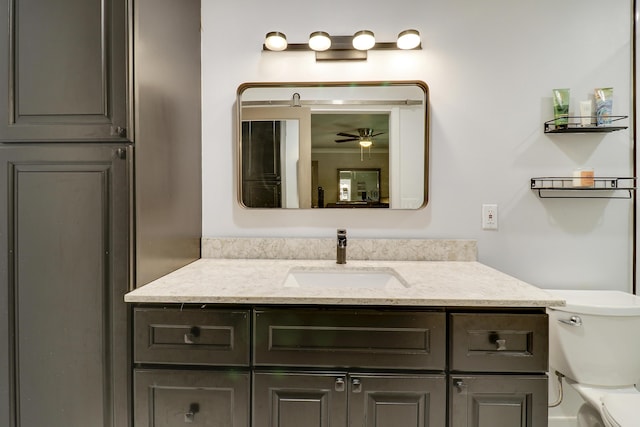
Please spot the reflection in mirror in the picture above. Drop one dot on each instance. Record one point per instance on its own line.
(274, 142)
(293, 137)
(359, 188)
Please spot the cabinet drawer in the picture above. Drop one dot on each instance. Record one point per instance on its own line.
(166, 398)
(191, 336)
(350, 338)
(499, 342)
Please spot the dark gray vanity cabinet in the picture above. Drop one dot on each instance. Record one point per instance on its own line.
(498, 364)
(63, 72)
(341, 399)
(64, 263)
(330, 366)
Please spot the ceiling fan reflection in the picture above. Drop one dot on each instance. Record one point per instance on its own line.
(364, 138)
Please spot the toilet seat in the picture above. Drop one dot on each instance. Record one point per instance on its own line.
(621, 409)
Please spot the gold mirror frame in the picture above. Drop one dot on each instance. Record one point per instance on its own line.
(282, 104)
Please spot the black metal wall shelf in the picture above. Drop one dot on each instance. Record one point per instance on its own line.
(574, 125)
(571, 188)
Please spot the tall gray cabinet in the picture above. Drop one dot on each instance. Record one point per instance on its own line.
(99, 192)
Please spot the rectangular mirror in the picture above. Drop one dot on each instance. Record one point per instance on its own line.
(293, 137)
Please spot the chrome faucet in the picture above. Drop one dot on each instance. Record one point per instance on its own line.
(341, 251)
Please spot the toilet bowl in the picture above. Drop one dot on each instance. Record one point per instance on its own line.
(594, 341)
(618, 407)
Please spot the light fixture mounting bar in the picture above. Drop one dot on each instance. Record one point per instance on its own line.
(341, 49)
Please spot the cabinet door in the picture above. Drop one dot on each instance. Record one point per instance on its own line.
(397, 400)
(287, 399)
(499, 401)
(63, 70)
(64, 266)
(166, 398)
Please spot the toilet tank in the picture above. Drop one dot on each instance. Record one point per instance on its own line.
(601, 346)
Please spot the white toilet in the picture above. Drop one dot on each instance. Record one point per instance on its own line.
(594, 341)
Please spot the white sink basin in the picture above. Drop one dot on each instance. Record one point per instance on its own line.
(332, 278)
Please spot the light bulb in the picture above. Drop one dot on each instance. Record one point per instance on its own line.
(319, 41)
(364, 40)
(275, 41)
(365, 143)
(408, 39)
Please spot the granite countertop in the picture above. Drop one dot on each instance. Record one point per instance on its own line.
(262, 281)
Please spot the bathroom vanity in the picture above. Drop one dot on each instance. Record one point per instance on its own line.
(453, 343)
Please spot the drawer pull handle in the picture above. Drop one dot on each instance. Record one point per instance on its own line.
(572, 321)
(356, 385)
(501, 345)
(192, 335)
(339, 384)
(190, 416)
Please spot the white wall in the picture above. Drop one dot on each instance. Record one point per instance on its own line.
(490, 67)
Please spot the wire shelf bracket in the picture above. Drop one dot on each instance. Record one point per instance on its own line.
(574, 188)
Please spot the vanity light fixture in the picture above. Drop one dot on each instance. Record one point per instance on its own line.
(336, 48)
(319, 41)
(364, 40)
(275, 41)
(408, 39)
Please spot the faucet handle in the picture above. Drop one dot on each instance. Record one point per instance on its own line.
(342, 237)
(341, 249)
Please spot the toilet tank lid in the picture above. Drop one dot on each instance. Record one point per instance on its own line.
(605, 303)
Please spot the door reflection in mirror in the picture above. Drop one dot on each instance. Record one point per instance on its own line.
(276, 158)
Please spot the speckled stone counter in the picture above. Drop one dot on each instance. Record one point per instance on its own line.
(262, 281)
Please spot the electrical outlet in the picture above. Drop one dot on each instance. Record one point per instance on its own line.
(489, 217)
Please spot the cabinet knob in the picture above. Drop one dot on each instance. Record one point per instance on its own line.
(191, 336)
(339, 384)
(356, 385)
(460, 385)
(190, 416)
(119, 131)
(501, 345)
